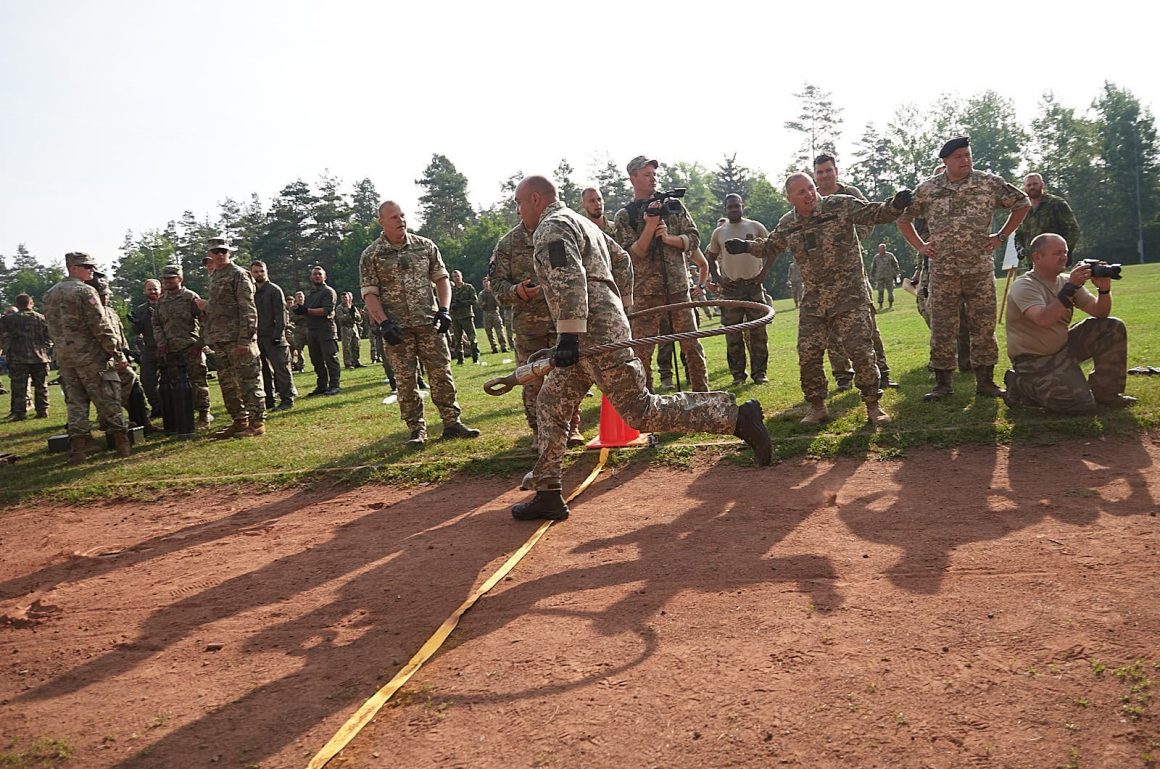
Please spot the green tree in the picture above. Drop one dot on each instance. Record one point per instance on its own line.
(871, 171)
(443, 206)
(28, 276)
(614, 186)
(566, 189)
(819, 121)
(731, 177)
(364, 203)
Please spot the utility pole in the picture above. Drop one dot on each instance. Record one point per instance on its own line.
(1139, 215)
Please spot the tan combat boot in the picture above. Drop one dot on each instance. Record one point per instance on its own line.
(234, 429)
(817, 414)
(875, 415)
(121, 444)
(256, 427)
(78, 449)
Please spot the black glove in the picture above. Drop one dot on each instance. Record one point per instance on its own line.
(442, 320)
(391, 332)
(298, 309)
(567, 351)
(737, 246)
(901, 200)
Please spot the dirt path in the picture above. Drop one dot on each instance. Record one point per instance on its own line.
(959, 607)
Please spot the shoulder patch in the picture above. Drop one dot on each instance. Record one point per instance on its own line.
(557, 254)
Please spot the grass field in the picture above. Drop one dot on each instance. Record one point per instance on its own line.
(354, 436)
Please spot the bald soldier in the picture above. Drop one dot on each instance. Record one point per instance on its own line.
(821, 232)
(574, 268)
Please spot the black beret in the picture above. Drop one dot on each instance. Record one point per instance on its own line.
(954, 144)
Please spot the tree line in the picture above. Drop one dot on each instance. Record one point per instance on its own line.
(1103, 160)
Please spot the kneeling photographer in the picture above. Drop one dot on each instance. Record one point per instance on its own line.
(1046, 353)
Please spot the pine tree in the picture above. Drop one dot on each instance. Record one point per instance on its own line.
(819, 122)
(731, 177)
(443, 207)
(566, 190)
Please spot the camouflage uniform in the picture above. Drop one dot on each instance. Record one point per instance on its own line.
(963, 272)
(403, 278)
(511, 263)
(574, 266)
(349, 319)
(24, 336)
(1054, 380)
(231, 320)
(463, 301)
(128, 376)
(273, 349)
(177, 327)
(835, 349)
(298, 340)
(322, 336)
(506, 313)
(492, 323)
(885, 272)
(836, 302)
(795, 283)
(1053, 214)
(663, 270)
(922, 295)
(86, 351)
(142, 322)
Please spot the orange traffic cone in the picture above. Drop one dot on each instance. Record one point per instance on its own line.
(614, 431)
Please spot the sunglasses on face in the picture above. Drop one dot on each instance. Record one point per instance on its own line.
(218, 251)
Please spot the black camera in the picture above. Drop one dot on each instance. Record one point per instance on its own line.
(669, 198)
(1101, 270)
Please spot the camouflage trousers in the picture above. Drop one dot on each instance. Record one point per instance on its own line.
(462, 329)
(948, 292)
(962, 340)
(350, 347)
(506, 314)
(274, 356)
(422, 343)
(493, 327)
(99, 384)
(240, 376)
(855, 327)
(532, 338)
(22, 374)
(682, 320)
(193, 359)
(840, 360)
(1057, 383)
(757, 338)
(620, 376)
(885, 285)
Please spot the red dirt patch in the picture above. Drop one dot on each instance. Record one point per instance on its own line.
(978, 605)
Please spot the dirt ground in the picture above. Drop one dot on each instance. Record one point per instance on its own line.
(979, 606)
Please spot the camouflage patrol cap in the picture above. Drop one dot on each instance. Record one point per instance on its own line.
(172, 271)
(954, 144)
(639, 162)
(220, 242)
(77, 259)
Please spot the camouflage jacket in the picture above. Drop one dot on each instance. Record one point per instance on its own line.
(403, 278)
(1053, 214)
(463, 300)
(651, 269)
(270, 302)
(884, 267)
(142, 321)
(959, 215)
(24, 337)
(849, 189)
(511, 264)
(825, 247)
(231, 317)
(487, 301)
(118, 330)
(348, 317)
(574, 265)
(77, 324)
(324, 297)
(177, 320)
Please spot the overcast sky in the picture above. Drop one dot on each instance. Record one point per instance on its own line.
(119, 115)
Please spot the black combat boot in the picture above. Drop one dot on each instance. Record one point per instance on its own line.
(985, 382)
(751, 429)
(548, 504)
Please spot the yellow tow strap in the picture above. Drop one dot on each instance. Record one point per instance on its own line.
(371, 707)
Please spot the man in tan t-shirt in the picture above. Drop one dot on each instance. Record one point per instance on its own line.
(740, 276)
(1045, 353)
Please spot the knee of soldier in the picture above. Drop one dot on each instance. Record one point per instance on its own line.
(1114, 327)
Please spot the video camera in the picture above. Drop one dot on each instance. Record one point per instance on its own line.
(1101, 270)
(670, 199)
